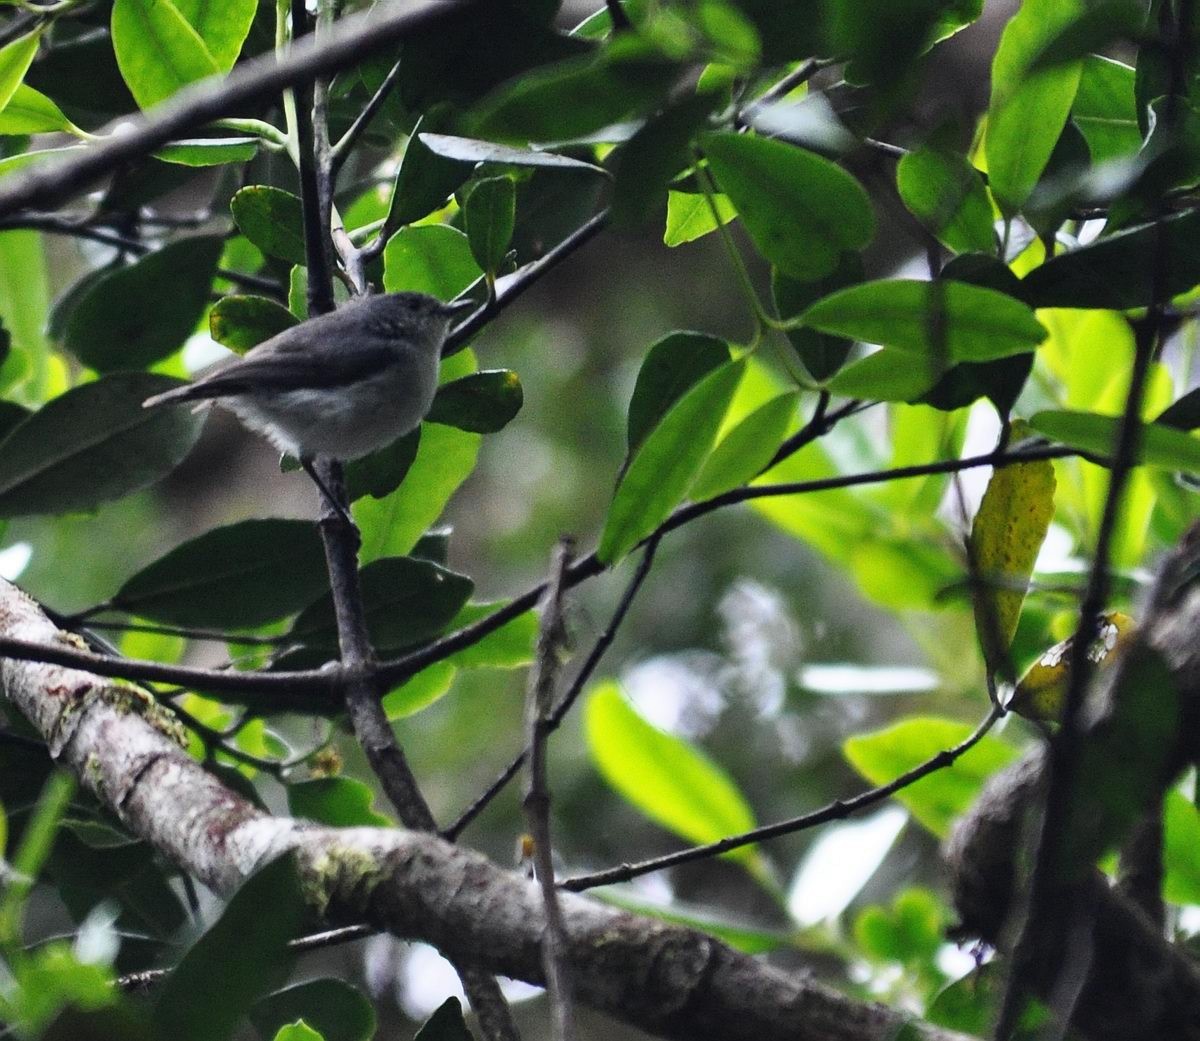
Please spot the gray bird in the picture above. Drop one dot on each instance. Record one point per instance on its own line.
(340, 385)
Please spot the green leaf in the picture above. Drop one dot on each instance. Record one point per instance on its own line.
(509, 647)
(946, 194)
(380, 473)
(426, 178)
(158, 52)
(579, 96)
(422, 690)
(1117, 272)
(335, 1009)
(934, 801)
(1027, 110)
(1007, 533)
(405, 601)
(689, 216)
(140, 314)
(433, 259)
(1181, 850)
(272, 219)
(746, 449)
(298, 1031)
(392, 525)
(1089, 432)
(672, 366)
(887, 375)
(1105, 110)
(483, 402)
(15, 59)
(945, 321)
(1125, 763)
(651, 159)
(29, 111)
(671, 781)
(24, 306)
(1103, 23)
(1183, 414)
(244, 955)
(341, 802)
(242, 322)
(223, 25)
(821, 354)
(92, 444)
(209, 151)
(468, 150)
(236, 577)
(667, 462)
(446, 1024)
(489, 214)
(802, 211)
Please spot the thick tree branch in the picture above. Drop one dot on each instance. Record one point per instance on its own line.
(668, 980)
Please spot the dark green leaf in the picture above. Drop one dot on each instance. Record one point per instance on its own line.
(1090, 31)
(240, 958)
(338, 1011)
(1027, 110)
(1183, 414)
(483, 402)
(341, 802)
(1127, 761)
(242, 322)
(1105, 110)
(139, 314)
(272, 219)
(821, 353)
(672, 366)
(667, 462)
(1117, 271)
(426, 179)
(446, 1024)
(405, 601)
(945, 321)
(650, 159)
(432, 258)
(802, 211)
(92, 444)
(1000, 381)
(10, 415)
(468, 150)
(946, 194)
(236, 577)
(489, 214)
(579, 96)
(1161, 445)
(157, 50)
(381, 472)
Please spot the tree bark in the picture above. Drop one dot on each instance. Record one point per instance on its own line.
(671, 981)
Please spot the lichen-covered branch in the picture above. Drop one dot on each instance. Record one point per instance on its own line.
(671, 981)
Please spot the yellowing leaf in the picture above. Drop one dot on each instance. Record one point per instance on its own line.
(1042, 690)
(1008, 532)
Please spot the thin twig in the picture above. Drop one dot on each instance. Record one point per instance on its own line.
(837, 810)
(341, 151)
(603, 642)
(539, 711)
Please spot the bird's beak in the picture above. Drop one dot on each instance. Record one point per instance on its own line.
(458, 307)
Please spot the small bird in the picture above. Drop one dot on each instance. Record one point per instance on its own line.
(340, 385)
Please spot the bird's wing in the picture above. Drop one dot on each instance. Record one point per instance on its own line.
(291, 361)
